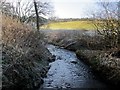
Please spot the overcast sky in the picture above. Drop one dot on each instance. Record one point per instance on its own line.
(74, 8)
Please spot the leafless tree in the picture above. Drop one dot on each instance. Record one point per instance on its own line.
(27, 11)
(107, 23)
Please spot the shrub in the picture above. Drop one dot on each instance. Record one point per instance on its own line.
(22, 52)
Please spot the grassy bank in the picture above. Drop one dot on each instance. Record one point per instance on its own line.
(24, 56)
(70, 25)
(104, 65)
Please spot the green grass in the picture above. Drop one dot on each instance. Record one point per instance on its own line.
(71, 25)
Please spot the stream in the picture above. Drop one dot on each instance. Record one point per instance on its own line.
(69, 72)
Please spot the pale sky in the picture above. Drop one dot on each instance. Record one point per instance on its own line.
(74, 8)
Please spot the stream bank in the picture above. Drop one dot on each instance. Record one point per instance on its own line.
(92, 50)
(24, 57)
(103, 64)
(69, 72)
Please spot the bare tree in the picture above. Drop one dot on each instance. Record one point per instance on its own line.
(108, 24)
(27, 12)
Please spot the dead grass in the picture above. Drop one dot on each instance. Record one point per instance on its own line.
(22, 49)
(106, 66)
(93, 50)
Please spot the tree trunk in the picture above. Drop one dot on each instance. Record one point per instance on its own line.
(37, 15)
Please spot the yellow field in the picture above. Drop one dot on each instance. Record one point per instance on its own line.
(71, 25)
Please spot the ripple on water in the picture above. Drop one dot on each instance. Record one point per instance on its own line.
(64, 74)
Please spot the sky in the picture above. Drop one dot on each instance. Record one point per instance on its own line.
(74, 8)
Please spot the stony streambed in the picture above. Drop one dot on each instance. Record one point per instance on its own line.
(69, 72)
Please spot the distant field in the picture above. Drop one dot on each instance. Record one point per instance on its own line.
(71, 25)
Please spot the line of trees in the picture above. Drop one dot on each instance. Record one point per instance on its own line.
(27, 11)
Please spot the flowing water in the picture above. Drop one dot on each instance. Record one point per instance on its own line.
(69, 72)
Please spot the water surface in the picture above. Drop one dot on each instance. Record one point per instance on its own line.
(69, 72)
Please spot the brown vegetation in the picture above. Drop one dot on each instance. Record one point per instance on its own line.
(106, 66)
(24, 57)
(93, 50)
